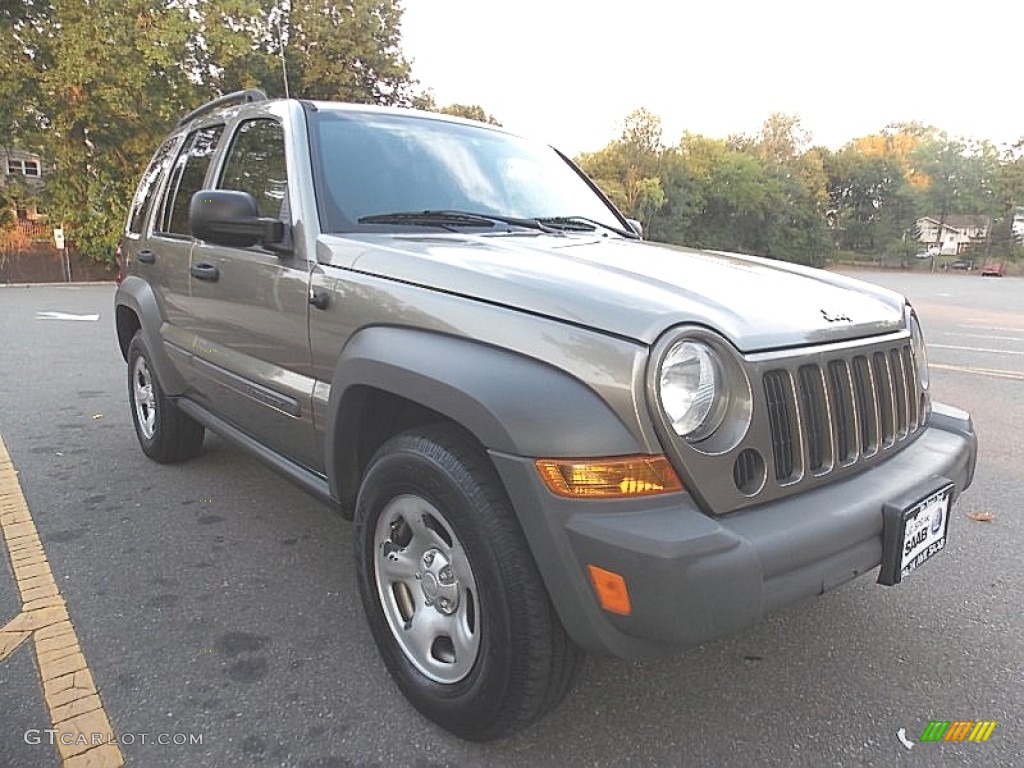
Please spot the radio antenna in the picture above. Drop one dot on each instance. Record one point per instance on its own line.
(284, 64)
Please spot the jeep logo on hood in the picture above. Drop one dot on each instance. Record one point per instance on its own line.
(835, 318)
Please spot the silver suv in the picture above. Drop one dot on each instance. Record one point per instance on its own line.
(552, 436)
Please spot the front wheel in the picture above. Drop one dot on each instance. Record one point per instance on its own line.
(451, 592)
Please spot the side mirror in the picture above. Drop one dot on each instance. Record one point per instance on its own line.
(636, 226)
(229, 217)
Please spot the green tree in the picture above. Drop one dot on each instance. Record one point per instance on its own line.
(764, 195)
(868, 199)
(731, 194)
(628, 170)
(93, 85)
(793, 223)
(20, 27)
(470, 112)
(961, 175)
(345, 51)
(961, 178)
(674, 221)
(1010, 196)
(782, 140)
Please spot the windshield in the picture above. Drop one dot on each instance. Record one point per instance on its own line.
(369, 164)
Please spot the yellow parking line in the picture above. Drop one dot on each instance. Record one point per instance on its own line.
(84, 733)
(994, 372)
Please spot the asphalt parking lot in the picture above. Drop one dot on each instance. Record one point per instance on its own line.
(215, 605)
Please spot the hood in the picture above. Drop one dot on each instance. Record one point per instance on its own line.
(630, 288)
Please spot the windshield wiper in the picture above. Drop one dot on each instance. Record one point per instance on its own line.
(583, 224)
(453, 219)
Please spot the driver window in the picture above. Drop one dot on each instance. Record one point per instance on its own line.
(256, 164)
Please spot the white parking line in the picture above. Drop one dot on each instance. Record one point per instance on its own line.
(978, 349)
(992, 328)
(984, 336)
(993, 372)
(49, 315)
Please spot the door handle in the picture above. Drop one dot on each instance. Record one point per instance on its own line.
(319, 299)
(146, 257)
(205, 272)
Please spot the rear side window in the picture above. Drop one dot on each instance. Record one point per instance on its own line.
(148, 185)
(187, 176)
(256, 165)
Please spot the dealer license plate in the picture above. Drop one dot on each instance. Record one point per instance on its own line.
(913, 535)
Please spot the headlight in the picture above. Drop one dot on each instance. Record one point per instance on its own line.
(920, 353)
(692, 389)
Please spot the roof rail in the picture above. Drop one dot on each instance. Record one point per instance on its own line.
(247, 96)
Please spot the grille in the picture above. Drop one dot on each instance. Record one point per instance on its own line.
(835, 413)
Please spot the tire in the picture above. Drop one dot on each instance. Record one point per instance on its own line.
(166, 434)
(452, 595)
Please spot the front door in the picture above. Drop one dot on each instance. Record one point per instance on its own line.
(249, 309)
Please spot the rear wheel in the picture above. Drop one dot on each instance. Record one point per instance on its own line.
(451, 592)
(165, 433)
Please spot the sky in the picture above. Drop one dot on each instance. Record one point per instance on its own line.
(568, 71)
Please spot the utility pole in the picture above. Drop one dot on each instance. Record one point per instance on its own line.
(942, 225)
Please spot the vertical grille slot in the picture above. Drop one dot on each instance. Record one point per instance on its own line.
(867, 413)
(883, 390)
(840, 395)
(781, 413)
(899, 379)
(910, 373)
(814, 414)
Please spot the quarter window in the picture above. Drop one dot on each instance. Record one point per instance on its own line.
(187, 177)
(147, 186)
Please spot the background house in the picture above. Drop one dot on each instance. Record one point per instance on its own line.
(959, 233)
(21, 175)
(19, 163)
(1017, 224)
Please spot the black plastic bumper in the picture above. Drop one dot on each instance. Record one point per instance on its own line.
(693, 578)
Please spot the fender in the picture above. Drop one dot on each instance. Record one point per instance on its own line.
(137, 294)
(511, 403)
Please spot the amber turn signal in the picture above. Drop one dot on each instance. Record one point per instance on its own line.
(617, 478)
(611, 590)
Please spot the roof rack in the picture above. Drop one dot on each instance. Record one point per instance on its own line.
(247, 96)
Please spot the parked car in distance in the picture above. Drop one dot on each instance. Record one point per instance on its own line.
(963, 265)
(993, 270)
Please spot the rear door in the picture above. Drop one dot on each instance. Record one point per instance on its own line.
(137, 253)
(165, 256)
(249, 307)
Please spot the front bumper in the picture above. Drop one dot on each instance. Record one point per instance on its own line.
(693, 578)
